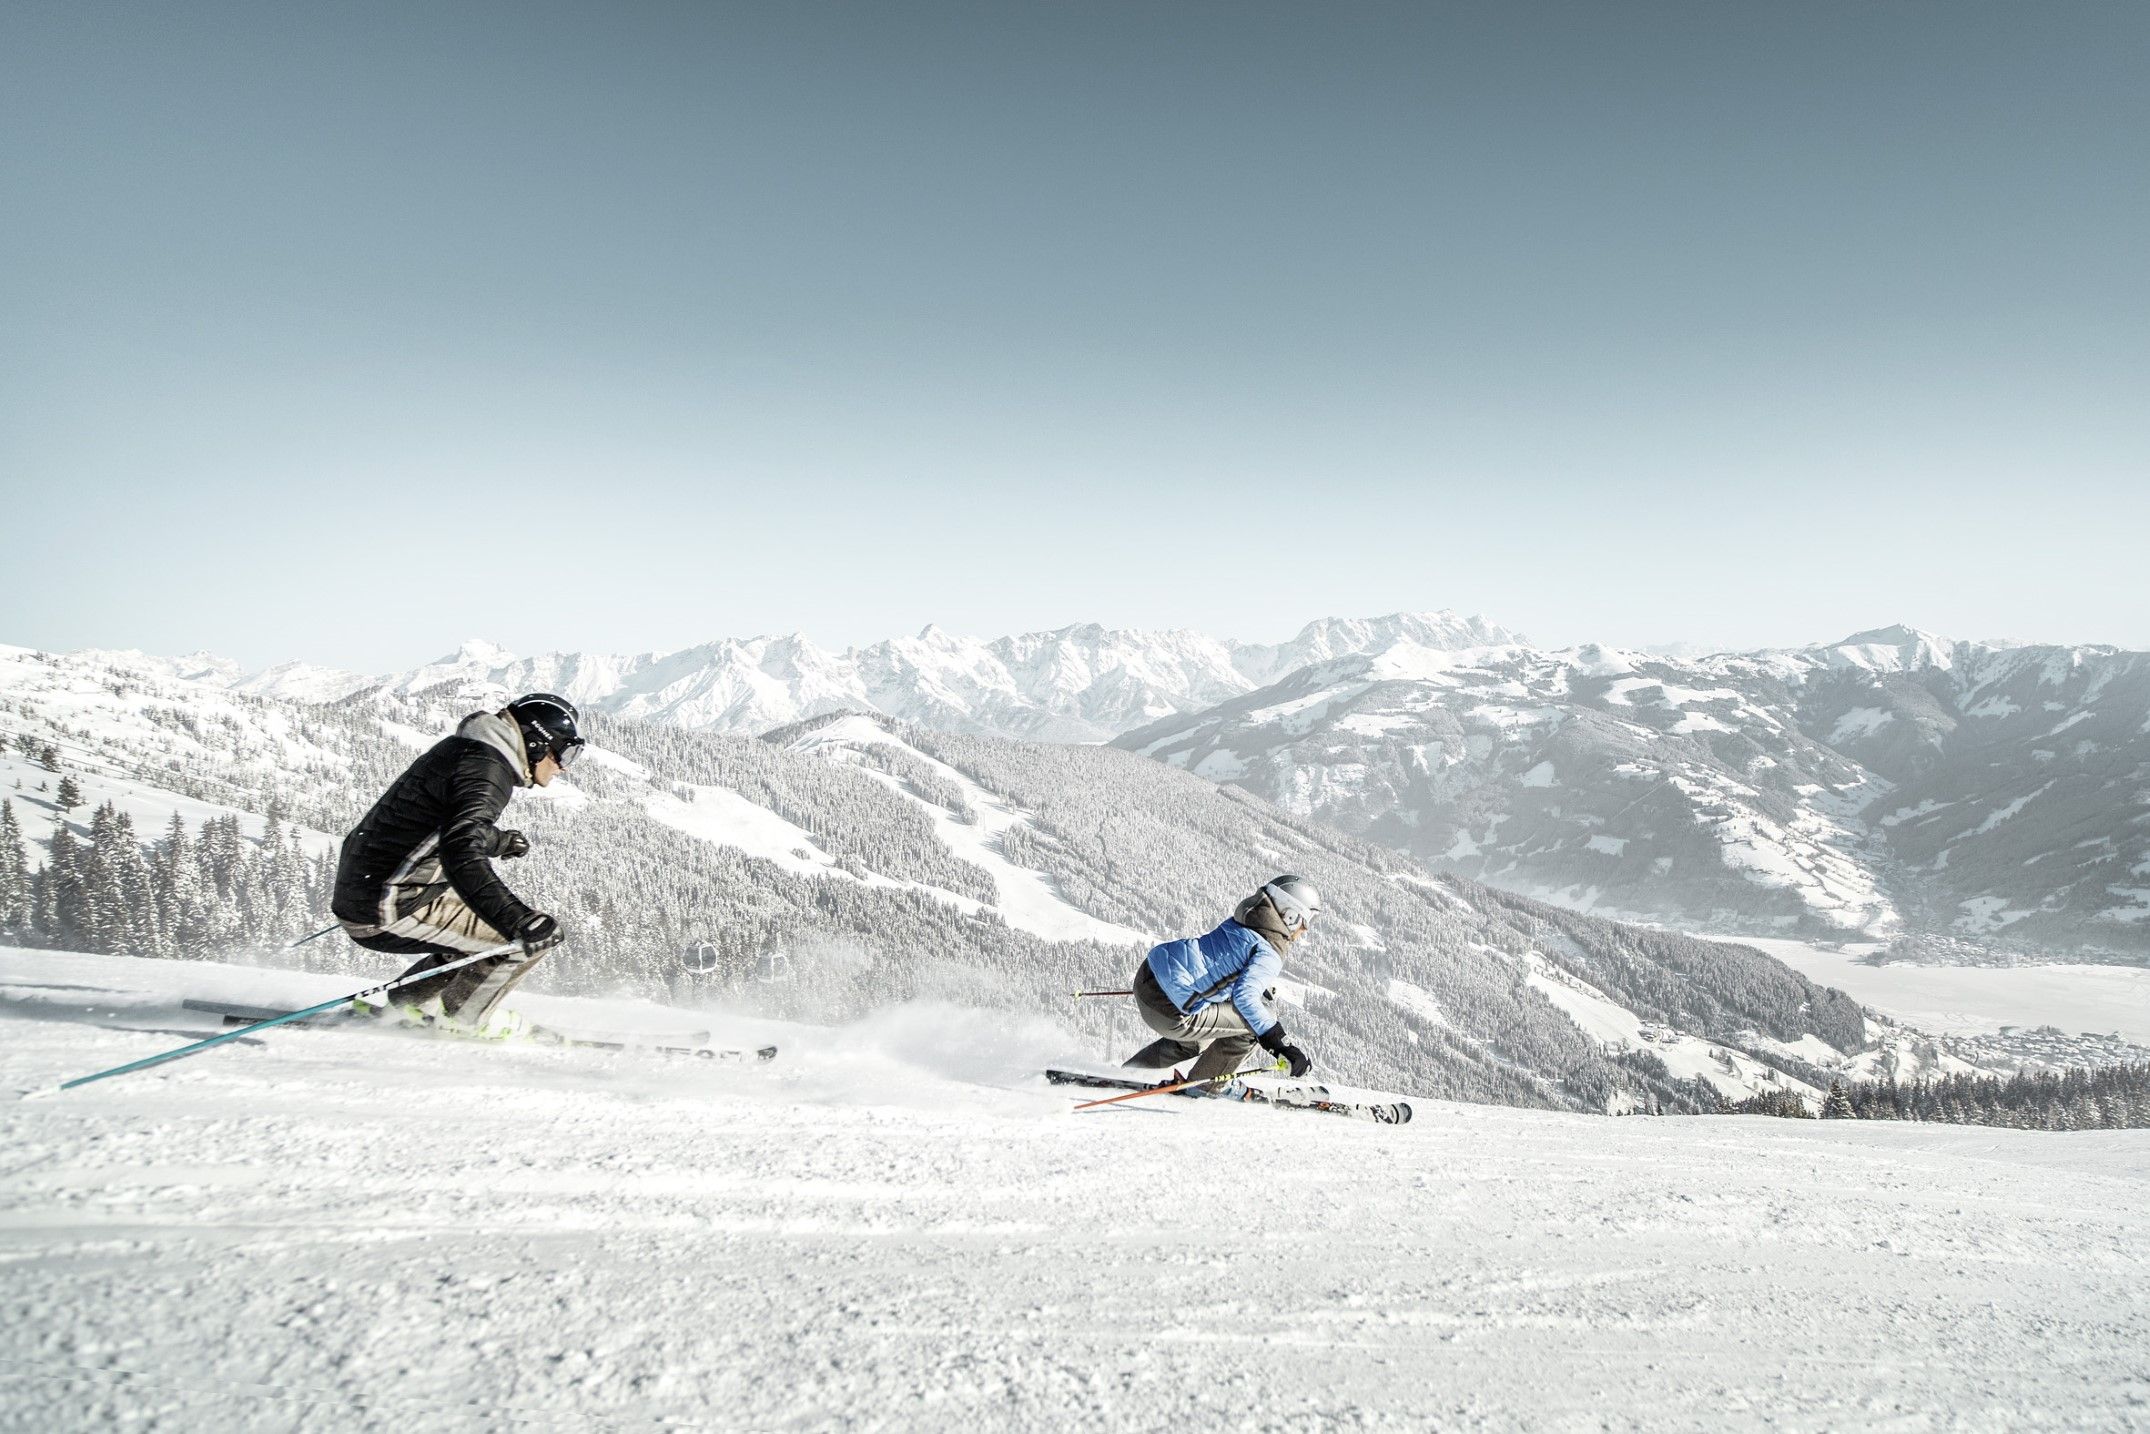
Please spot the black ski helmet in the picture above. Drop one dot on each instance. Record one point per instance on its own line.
(549, 722)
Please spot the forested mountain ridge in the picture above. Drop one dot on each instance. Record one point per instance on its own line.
(1891, 785)
(1963, 797)
(887, 863)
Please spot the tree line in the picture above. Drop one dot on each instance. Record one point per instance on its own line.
(2078, 1098)
(189, 895)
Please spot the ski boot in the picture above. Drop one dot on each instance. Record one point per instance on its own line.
(416, 1013)
(503, 1024)
(1231, 1089)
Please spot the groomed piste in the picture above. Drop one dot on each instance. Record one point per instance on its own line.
(899, 1224)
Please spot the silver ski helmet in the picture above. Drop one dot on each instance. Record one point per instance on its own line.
(550, 726)
(1293, 899)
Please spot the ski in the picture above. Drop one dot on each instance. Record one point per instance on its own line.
(694, 1044)
(239, 1011)
(536, 1034)
(171, 1031)
(1290, 1097)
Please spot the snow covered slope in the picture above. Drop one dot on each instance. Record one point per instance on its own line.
(848, 861)
(897, 1226)
(2020, 806)
(33, 790)
(132, 732)
(1890, 783)
(1601, 779)
(1893, 783)
(975, 827)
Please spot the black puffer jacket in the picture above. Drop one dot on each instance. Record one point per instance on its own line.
(434, 825)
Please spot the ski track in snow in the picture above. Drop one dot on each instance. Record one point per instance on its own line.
(897, 1226)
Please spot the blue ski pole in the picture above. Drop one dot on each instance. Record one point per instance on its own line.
(199, 1046)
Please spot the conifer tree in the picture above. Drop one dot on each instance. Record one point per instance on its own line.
(281, 868)
(62, 917)
(176, 886)
(1837, 1105)
(14, 873)
(139, 921)
(103, 919)
(41, 914)
(223, 861)
(70, 794)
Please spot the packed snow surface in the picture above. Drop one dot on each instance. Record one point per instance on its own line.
(897, 1225)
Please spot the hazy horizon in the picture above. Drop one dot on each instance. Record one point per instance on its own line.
(447, 648)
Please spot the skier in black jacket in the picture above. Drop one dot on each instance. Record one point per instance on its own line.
(417, 878)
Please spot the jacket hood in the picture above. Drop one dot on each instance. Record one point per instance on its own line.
(502, 735)
(1258, 916)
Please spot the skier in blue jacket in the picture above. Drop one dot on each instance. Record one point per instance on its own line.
(1209, 997)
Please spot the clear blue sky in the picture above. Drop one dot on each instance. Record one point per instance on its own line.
(344, 332)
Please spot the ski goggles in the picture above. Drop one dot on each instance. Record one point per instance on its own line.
(567, 750)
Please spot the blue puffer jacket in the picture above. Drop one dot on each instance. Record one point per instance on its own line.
(1230, 962)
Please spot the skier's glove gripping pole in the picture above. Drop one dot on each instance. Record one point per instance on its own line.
(199, 1046)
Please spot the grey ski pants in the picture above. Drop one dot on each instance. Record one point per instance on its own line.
(439, 931)
(1217, 1036)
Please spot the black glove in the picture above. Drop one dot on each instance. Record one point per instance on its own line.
(510, 844)
(539, 934)
(1277, 1044)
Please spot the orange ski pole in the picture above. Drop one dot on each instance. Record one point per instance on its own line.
(1177, 1085)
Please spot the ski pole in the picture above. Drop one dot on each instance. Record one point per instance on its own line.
(199, 1046)
(1180, 1085)
(315, 937)
(1078, 995)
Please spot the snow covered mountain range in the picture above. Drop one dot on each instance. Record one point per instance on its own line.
(1892, 785)
(844, 862)
(1078, 684)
